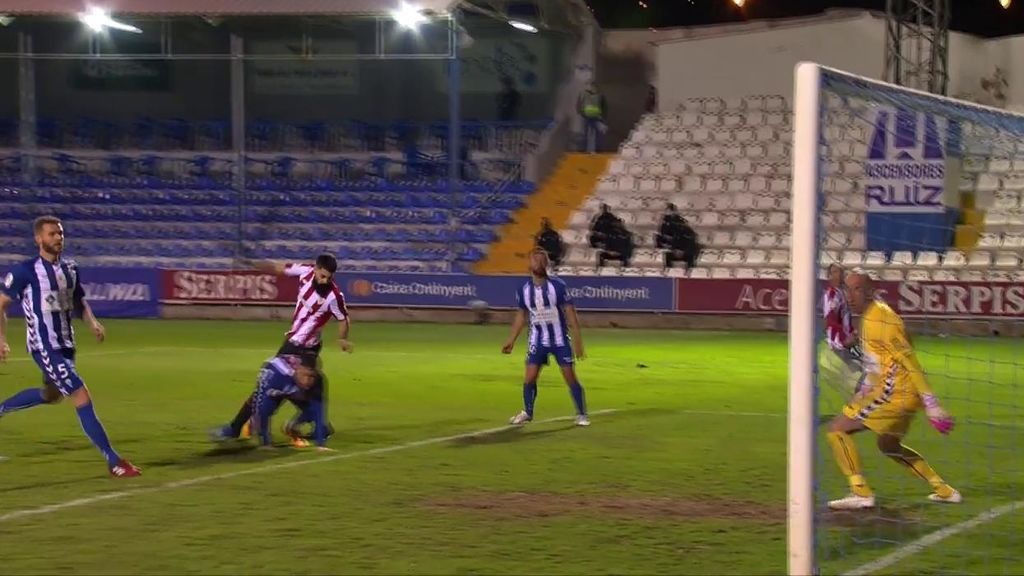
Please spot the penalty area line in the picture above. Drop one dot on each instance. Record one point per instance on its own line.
(934, 538)
(78, 502)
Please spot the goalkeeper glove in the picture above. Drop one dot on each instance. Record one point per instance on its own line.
(936, 415)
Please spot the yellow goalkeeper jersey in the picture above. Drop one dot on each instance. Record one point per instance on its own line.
(894, 376)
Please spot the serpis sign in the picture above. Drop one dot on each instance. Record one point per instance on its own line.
(906, 168)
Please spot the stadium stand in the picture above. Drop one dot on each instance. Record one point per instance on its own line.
(725, 163)
(377, 212)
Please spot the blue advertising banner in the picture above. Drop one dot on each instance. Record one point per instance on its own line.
(905, 174)
(458, 290)
(115, 292)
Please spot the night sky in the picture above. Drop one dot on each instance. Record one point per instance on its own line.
(982, 17)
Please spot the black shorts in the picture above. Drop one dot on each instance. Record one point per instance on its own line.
(294, 349)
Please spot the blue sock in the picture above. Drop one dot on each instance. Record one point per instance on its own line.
(529, 397)
(25, 399)
(94, 430)
(578, 398)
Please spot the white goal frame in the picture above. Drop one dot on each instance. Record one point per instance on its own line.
(804, 328)
(803, 333)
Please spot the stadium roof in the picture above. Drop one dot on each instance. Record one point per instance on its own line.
(217, 7)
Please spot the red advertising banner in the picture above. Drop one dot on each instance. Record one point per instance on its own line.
(911, 299)
(226, 287)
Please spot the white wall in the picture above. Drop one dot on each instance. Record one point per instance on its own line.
(762, 62)
(1009, 55)
(759, 57)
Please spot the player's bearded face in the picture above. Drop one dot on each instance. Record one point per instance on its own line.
(322, 281)
(51, 239)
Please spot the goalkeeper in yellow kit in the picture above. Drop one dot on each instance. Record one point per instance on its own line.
(894, 390)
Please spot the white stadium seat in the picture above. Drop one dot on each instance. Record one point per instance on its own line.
(902, 259)
(710, 257)
(928, 259)
(767, 240)
(853, 258)
(1007, 260)
(699, 273)
(874, 259)
(989, 240)
(954, 259)
(778, 257)
(721, 273)
(981, 259)
(722, 239)
(757, 257)
(743, 239)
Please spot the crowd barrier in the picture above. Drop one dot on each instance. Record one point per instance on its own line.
(139, 293)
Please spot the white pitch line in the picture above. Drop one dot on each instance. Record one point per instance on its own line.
(42, 510)
(934, 538)
(86, 355)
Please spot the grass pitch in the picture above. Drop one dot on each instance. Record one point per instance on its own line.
(686, 475)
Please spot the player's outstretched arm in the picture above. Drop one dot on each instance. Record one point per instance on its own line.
(266, 266)
(903, 351)
(517, 328)
(573, 320)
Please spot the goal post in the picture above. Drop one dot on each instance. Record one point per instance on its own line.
(803, 333)
(925, 193)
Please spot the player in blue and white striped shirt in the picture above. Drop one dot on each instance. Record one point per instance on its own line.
(545, 304)
(284, 377)
(50, 291)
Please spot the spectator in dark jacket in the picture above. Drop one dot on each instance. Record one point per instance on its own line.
(550, 241)
(508, 100)
(619, 245)
(677, 238)
(602, 226)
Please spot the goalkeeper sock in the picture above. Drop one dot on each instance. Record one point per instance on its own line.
(529, 397)
(848, 459)
(578, 398)
(25, 399)
(911, 460)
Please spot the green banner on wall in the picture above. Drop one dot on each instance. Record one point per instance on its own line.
(121, 75)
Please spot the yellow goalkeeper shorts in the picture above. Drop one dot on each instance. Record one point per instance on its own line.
(888, 418)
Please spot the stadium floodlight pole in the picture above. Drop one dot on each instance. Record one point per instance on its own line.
(803, 293)
(454, 123)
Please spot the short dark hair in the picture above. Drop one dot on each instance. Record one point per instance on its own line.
(327, 262)
(37, 225)
(308, 361)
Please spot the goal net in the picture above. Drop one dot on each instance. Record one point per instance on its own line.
(924, 195)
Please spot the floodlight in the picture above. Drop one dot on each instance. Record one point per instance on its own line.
(524, 26)
(97, 19)
(408, 16)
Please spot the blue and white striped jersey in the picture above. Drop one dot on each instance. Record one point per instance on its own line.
(277, 378)
(50, 294)
(547, 318)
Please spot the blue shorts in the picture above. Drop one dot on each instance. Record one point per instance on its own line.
(58, 368)
(538, 355)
